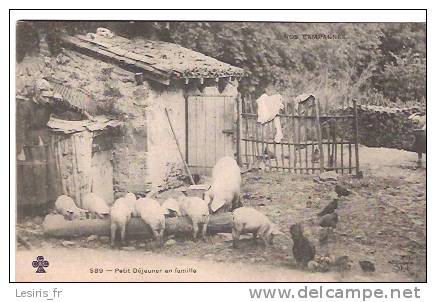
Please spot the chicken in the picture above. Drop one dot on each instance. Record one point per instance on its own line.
(329, 220)
(330, 208)
(342, 191)
(343, 263)
(303, 250)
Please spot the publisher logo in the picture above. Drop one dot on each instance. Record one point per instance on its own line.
(39, 264)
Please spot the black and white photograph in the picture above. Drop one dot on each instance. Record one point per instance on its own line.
(220, 151)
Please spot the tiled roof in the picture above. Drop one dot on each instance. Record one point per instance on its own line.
(160, 60)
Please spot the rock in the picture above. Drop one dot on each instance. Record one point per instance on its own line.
(170, 242)
(68, 243)
(91, 238)
(257, 259)
(104, 239)
(328, 176)
(128, 248)
(141, 245)
(38, 220)
(208, 256)
(367, 266)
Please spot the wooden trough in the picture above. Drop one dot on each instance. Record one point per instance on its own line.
(57, 226)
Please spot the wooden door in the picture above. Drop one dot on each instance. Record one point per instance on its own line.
(211, 130)
(102, 175)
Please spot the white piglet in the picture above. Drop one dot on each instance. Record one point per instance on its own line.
(171, 207)
(197, 210)
(131, 201)
(66, 206)
(96, 205)
(249, 220)
(223, 195)
(121, 212)
(152, 214)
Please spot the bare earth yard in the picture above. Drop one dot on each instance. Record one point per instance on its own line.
(384, 221)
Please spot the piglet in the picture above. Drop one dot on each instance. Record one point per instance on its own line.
(96, 205)
(152, 214)
(249, 220)
(120, 213)
(198, 212)
(66, 206)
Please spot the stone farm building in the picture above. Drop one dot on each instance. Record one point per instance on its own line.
(92, 118)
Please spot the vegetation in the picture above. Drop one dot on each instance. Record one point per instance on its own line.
(383, 60)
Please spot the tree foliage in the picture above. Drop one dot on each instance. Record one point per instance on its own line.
(369, 58)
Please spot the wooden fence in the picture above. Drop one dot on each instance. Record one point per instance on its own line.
(314, 140)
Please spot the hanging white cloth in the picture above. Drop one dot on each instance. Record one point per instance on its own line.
(268, 108)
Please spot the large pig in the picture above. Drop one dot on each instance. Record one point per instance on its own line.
(152, 214)
(121, 212)
(198, 212)
(223, 195)
(249, 220)
(66, 206)
(95, 205)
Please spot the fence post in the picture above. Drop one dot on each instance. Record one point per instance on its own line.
(238, 129)
(319, 136)
(356, 136)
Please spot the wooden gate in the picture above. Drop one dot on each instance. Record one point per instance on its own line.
(314, 140)
(210, 131)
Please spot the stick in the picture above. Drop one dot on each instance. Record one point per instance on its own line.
(178, 148)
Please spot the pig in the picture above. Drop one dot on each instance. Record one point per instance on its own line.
(95, 205)
(171, 207)
(120, 214)
(249, 220)
(131, 201)
(197, 210)
(153, 215)
(223, 195)
(66, 206)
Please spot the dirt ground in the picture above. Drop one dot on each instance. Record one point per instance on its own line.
(383, 221)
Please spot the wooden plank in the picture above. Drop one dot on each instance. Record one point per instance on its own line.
(201, 138)
(335, 158)
(294, 144)
(274, 146)
(288, 136)
(299, 139)
(210, 131)
(282, 154)
(229, 125)
(220, 142)
(356, 136)
(319, 136)
(296, 116)
(191, 133)
(294, 136)
(255, 126)
(329, 164)
(238, 129)
(246, 133)
(306, 140)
